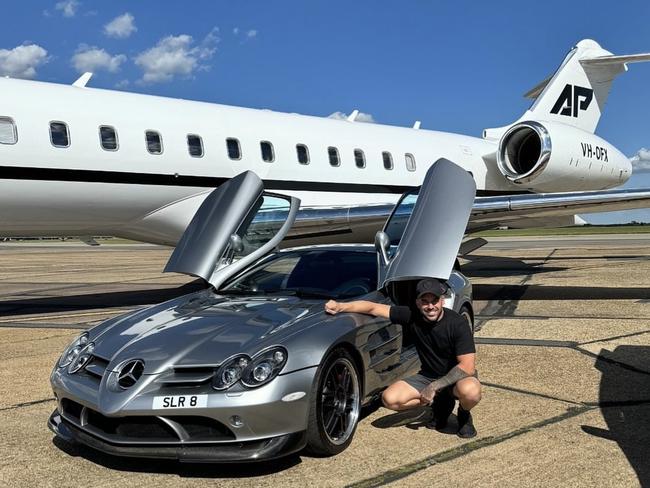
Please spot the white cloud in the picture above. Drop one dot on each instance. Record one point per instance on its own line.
(22, 61)
(251, 33)
(362, 117)
(235, 31)
(68, 7)
(122, 84)
(121, 27)
(90, 58)
(641, 160)
(176, 55)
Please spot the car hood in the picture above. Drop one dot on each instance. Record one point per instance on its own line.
(203, 329)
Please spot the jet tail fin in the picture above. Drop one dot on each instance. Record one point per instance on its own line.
(577, 92)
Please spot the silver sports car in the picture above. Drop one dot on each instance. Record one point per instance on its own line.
(251, 367)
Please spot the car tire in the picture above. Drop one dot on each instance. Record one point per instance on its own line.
(335, 405)
(468, 316)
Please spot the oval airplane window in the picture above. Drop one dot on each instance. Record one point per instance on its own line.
(154, 142)
(267, 151)
(7, 131)
(359, 158)
(108, 138)
(195, 145)
(234, 149)
(59, 135)
(303, 153)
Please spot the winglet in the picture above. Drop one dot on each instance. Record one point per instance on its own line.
(83, 80)
(353, 116)
(416, 126)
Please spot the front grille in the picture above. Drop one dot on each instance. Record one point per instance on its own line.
(202, 428)
(146, 429)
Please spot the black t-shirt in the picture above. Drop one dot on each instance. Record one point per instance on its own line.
(437, 343)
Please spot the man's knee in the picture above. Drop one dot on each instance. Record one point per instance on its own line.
(469, 390)
(390, 399)
(399, 395)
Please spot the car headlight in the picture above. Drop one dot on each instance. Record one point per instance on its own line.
(449, 299)
(230, 372)
(73, 350)
(82, 358)
(264, 367)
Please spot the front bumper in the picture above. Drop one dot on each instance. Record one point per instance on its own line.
(271, 420)
(230, 452)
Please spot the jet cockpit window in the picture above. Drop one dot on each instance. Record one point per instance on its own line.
(267, 151)
(154, 142)
(359, 158)
(388, 160)
(59, 134)
(8, 133)
(108, 138)
(334, 156)
(234, 149)
(410, 161)
(303, 153)
(195, 145)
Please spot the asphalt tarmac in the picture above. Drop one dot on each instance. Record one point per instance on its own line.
(563, 354)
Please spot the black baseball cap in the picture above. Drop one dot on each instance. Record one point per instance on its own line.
(430, 285)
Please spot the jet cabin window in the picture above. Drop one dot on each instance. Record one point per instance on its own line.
(195, 145)
(334, 156)
(303, 153)
(154, 142)
(59, 134)
(359, 158)
(234, 150)
(267, 151)
(108, 138)
(8, 133)
(388, 160)
(410, 161)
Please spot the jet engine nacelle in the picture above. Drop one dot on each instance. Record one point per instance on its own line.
(550, 156)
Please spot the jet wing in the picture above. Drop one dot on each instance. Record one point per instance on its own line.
(359, 223)
(489, 212)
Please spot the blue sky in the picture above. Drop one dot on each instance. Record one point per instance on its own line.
(457, 66)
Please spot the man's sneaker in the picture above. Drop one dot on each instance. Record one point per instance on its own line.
(466, 428)
(442, 407)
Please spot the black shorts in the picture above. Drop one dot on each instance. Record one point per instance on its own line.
(420, 381)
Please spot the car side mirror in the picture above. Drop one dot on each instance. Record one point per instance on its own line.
(382, 245)
(236, 243)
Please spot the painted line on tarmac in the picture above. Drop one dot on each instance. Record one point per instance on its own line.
(401, 472)
(27, 404)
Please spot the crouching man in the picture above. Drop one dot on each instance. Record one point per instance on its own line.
(446, 349)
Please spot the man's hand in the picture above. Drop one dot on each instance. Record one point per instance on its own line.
(427, 394)
(333, 307)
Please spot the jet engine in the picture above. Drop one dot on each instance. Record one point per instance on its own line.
(550, 156)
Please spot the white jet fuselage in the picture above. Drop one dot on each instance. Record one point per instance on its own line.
(84, 189)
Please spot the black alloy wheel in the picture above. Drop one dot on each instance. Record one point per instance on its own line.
(335, 405)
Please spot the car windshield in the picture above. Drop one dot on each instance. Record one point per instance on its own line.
(311, 273)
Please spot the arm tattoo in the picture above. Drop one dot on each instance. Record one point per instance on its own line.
(455, 375)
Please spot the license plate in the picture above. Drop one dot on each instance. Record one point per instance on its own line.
(180, 401)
